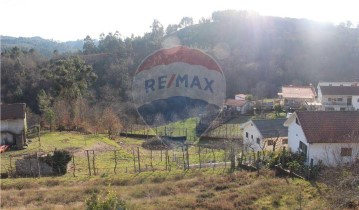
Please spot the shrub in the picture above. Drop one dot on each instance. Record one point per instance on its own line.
(111, 201)
(59, 161)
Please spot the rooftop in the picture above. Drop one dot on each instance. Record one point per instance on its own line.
(13, 111)
(302, 92)
(340, 90)
(271, 127)
(330, 126)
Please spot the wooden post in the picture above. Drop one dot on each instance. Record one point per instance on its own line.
(73, 163)
(38, 164)
(88, 162)
(161, 155)
(38, 135)
(225, 161)
(10, 157)
(184, 162)
(139, 160)
(134, 159)
(166, 153)
(187, 156)
(151, 159)
(199, 156)
(93, 162)
(115, 154)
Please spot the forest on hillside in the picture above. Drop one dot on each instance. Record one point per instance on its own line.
(258, 55)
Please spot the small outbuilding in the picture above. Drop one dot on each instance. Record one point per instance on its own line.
(13, 125)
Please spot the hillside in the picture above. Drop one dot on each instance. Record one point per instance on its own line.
(43, 46)
(258, 54)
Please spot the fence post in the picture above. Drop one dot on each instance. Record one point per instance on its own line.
(166, 158)
(187, 156)
(114, 169)
(38, 164)
(151, 159)
(138, 158)
(93, 162)
(88, 162)
(184, 162)
(10, 157)
(134, 159)
(73, 163)
(161, 155)
(199, 156)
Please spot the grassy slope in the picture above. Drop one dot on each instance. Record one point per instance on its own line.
(205, 189)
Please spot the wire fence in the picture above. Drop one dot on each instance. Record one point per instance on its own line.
(130, 159)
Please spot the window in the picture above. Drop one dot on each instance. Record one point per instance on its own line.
(270, 142)
(303, 148)
(340, 99)
(251, 136)
(346, 152)
(246, 134)
(329, 108)
(342, 109)
(329, 99)
(358, 100)
(297, 121)
(285, 141)
(258, 140)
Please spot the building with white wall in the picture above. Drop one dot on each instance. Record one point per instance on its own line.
(330, 137)
(264, 134)
(13, 125)
(339, 97)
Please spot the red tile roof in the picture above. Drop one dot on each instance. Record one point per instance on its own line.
(340, 90)
(303, 92)
(13, 111)
(330, 126)
(233, 102)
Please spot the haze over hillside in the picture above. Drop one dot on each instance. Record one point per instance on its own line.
(258, 55)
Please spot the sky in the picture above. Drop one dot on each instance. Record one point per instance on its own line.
(67, 20)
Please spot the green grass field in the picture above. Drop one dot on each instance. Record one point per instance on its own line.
(206, 188)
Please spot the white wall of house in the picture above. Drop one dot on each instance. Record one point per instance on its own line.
(15, 126)
(240, 97)
(295, 135)
(330, 153)
(337, 83)
(355, 101)
(250, 142)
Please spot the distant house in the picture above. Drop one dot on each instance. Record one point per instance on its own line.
(240, 106)
(264, 134)
(296, 96)
(332, 137)
(240, 97)
(13, 125)
(338, 97)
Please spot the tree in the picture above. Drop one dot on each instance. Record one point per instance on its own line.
(171, 28)
(70, 77)
(47, 113)
(186, 21)
(89, 46)
(63, 115)
(110, 121)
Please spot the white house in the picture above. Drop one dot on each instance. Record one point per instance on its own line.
(297, 96)
(13, 125)
(264, 134)
(336, 97)
(330, 137)
(240, 106)
(240, 96)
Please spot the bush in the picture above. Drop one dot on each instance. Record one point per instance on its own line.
(59, 161)
(111, 201)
